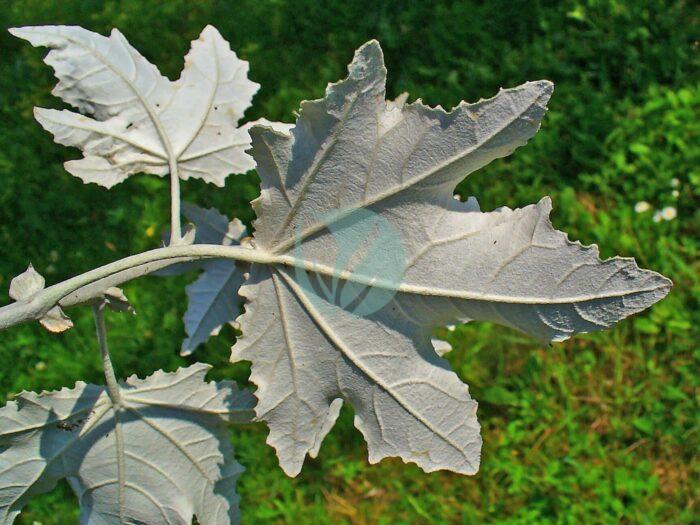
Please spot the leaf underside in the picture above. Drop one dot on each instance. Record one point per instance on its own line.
(360, 198)
(213, 296)
(141, 121)
(162, 457)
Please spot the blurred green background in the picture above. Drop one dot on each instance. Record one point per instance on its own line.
(600, 429)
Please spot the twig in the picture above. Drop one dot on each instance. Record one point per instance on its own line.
(90, 285)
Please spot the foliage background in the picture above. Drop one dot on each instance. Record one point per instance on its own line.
(600, 429)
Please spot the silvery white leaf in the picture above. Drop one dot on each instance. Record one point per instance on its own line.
(142, 121)
(374, 252)
(213, 297)
(212, 302)
(163, 457)
(26, 284)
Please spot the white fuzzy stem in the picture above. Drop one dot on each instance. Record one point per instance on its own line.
(90, 285)
(175, 226)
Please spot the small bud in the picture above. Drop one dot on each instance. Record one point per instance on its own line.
(189, 235)
(56, 320)
(26, 284)
(236, 231)
(117, 301)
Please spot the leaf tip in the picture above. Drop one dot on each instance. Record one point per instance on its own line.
(210, 30)
(372, 44)
(23, 32)
(116, 34)
(543, 88)
(187, 349)
(291, 467)
(545, 204)
(368, 56)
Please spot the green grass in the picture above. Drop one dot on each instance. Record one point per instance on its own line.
(600, 429)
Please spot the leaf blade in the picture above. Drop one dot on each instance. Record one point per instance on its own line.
(358, 202)
(142, 121)
(169, 421)
(212, 302)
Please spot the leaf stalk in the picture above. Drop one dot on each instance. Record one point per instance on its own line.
(175, 225)
(110, 377)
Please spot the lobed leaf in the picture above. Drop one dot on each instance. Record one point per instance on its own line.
(213, 296)
(142, 121)
(374, 252)
(162, 456)
(212, 302)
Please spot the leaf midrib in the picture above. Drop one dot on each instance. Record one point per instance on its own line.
(356, 361)
(345, 275)
(205, 114)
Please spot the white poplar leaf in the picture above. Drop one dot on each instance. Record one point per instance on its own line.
(143, 122)
(213, 297)
(371, 252)
(212, 302)
(162, 457)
